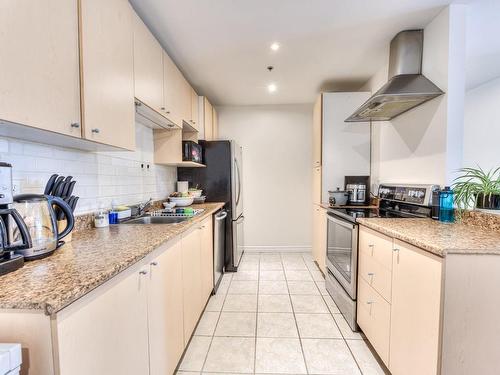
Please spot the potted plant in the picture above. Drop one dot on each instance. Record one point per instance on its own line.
(475, 188)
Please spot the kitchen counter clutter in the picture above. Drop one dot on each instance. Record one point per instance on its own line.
(93, 257)
(436, 237)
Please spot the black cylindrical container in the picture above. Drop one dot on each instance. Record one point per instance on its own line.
(435, 205)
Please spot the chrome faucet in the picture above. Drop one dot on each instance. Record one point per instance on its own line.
(141, 208)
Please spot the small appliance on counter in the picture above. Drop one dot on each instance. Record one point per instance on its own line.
(358, 188)
(37, 210)
(9, 219)
(192, 151)
(337, 197)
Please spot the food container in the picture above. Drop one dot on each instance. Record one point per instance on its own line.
(195, 192)
(182, 201)
(199, 200)
(168, 205)
(338, 197)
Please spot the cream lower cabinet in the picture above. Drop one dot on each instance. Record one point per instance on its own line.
(399, 303)
(165, 311)
(319, 239)
(207, 259)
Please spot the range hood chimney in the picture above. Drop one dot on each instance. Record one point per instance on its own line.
(407, 87)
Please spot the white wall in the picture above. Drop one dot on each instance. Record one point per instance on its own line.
(100, 177)
(277, 173)
(424, 145)
(482, 126)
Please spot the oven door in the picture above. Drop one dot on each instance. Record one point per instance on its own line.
(342, 253)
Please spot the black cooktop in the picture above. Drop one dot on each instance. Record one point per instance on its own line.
(352, 214)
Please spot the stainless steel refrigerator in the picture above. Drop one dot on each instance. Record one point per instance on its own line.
(221, 182)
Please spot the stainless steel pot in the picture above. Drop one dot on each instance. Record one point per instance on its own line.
(338, 197)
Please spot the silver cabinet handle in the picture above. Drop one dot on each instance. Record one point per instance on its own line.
(95, 131)
(371, 246)
(371, 274)
(162, 108)
(154, 263)
(167, 112)
(370, 302)
(75, 125)
(143, 272)
(396, 250)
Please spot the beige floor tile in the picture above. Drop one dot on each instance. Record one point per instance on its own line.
(331, 304)
(322, 288)
(329, 356)
(195, 354)
(248, 266)
(308, 257)
(273, 287)
(274, 303)
(243, 287)
(303, 287)
(271, 266)
(215, 302)
(223, 286)
(207, 323)
(240, 303)
(231, 354)
(246, 276)
(308, 304)
(365, 358)
(294, 265)
(272, 275)
(317, 326)
(297, 275)
(187, 373)
(345, 329)
(270, 257)
(276, 325)
(317, 275)
(236, 324)
(279, 356)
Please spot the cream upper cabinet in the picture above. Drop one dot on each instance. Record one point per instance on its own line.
(207, 259)
(107, 70)
(317, 131)
(316, 185)
(185, 100)
(319, 236)
(208, 119)
(215, 124)
(415, 311)
(39, 66)
(165, 311)
(194, 110)
(173, 84)
(191, 282)
(106, 334)
(148, 67)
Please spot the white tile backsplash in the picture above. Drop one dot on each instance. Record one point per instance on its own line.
(100, 176)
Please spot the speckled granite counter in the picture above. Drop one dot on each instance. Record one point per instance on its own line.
(438, 238)
(93, 257)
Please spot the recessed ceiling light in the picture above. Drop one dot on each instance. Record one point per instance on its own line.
(275, 46)
(272, 87)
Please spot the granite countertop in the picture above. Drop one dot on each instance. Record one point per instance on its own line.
(436, 237)
(92, 257)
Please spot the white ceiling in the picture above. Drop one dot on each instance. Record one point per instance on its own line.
(222, 46)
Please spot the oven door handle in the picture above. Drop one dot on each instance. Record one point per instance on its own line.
(343, 223)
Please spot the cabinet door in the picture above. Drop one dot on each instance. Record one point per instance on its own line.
(194, 109)
(185, 97)
(191, 281)
(39, 67)
(207, 259)
(317, 130)
(165, 311)
(208, 119)
(107, 60)
(415, 311)
(173, 86)
(106, 334)
(215, 124)
(319, 236)
(148, 66)
(316, 185)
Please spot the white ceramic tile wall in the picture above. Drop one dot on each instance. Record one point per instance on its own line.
(101, 176)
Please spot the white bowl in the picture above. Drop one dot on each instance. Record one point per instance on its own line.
(182, 201)
(169, 205)
(195, 193)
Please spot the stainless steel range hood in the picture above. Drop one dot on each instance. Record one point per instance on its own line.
(407, 87)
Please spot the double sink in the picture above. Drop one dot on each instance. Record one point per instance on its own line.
(146, 219)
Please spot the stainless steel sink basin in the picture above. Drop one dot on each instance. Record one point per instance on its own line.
(156, 220)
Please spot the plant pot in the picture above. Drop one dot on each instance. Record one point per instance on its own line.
(488, 201)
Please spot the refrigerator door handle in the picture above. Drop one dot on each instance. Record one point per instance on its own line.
(239, 181)
(240, 219)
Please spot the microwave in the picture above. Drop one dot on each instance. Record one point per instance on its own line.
(192, 151)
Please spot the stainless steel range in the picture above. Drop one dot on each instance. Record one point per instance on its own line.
(396, 200)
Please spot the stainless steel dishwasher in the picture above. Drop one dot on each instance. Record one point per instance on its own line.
(219, 246)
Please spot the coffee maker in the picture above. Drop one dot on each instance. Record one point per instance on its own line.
(9, 218)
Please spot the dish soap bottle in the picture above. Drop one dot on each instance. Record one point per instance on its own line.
(446, 208)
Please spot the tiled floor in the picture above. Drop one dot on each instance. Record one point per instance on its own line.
(274, 316)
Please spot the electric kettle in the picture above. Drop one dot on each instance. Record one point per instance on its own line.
(38, 213)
